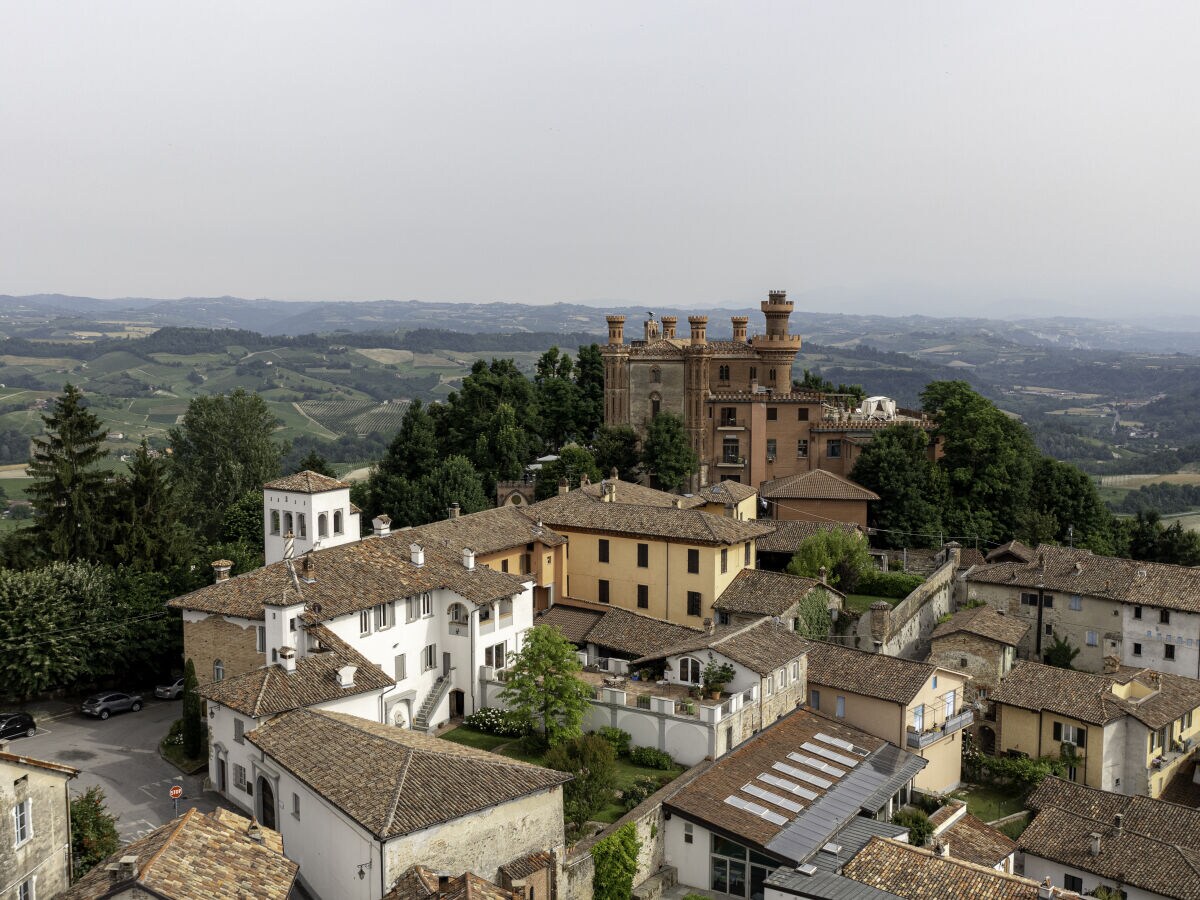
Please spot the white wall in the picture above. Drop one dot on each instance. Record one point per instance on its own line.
(743, 678)
(312, 506)
(1038, 868)
(1183, 632)
(690, 860)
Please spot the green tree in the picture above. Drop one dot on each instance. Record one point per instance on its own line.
(193, 721)
(453, 481)
(502, 449)
(589, 379)
(94, 835)
(222, 449)
(667, 452)
(1066, 507)
(813, 381)
(243, 520)
(468, 411)
(897, 467)
(414, 449)
(1061, 653)
(315, 462)
(69, 489)
(615, 864)
(812, 615)
(920, 829)
(147, 534)
(593, 762)
(557, 396)
(542, 687)
(573, 463)
(843, 556)
(616, 447)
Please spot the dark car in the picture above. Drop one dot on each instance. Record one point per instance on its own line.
(104, 705)
(17, 724)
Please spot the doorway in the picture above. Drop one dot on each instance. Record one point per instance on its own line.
(266, 803)
(221, 775)
(445, 665)
(458, 702)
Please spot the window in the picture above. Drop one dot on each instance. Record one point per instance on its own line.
(724, 560)
(322, 525)
(25, 890)
(747, 562)
(364, 622)
(239, 777)
(1072, 773)
(506, 607)
(239, 729)
(384, 616)
(643, 556)
(1047, 601)
(841, 707)
(783, 682)
(1137, 612)
(694, 562)
(412, 609)
(689, 670)
(772, 412)
(338, 527)
(1168, 651)
(1070, 734)
(1029, 599)
(731, 450)
(1072, 882)
(1049, 629)
(1185, 724)
(772, 449)
(655, 406)
(729, 415)
(723, 373)
(754, 373)
(260, 638)
(303, 525)
(802, 449)
(693, 603)
(603, 550)
(1093, 639)
(427, 604)
(814, 699)
(429, 657)
(401, 667)
(274, 521)
(288, 528)
(296, 805)
(1137, 649)
(218, 670)
(22, 822)
(687, 833)
(643, 596)
(496, 655)
(485, 612)
(802, 414)
(833, 449)
(934, 683)
(1076, 603)
(1164, 616)
(504, 565)
(919, 718)
(795, 671)
(602, 590)
(656, 375)
(951, 701)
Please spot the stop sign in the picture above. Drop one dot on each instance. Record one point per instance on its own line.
(176, 791)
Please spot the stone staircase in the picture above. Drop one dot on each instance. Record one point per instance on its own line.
(440, 688)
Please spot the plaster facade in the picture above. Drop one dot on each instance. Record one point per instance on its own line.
(38, 857)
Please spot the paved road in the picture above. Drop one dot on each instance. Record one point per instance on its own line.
(121, 755)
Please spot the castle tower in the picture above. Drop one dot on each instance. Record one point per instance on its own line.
(777, 311)
(739, 327)
(777, 349)
(695, 381)
(668, 324)
(616, 373)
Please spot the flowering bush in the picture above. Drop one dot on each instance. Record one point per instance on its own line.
(491, 720)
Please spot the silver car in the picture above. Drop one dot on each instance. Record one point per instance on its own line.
(103, 705)
(172, 691)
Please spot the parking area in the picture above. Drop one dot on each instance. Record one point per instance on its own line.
(121, 756)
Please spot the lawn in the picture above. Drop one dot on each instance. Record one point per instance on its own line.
(990, 803)
(469, 737)
(861, 603)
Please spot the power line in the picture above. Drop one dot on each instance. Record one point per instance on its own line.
(121, 624)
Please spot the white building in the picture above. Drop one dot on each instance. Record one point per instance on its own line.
(314, 508)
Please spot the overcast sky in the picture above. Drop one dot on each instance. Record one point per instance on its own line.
(877, 157)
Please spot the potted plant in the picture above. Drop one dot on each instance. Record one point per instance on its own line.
(715, 676)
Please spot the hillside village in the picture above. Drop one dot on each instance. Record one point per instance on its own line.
(396, 711)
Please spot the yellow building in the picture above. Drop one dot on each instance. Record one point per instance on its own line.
(644, 550)
(1128, 730)
(914, 705)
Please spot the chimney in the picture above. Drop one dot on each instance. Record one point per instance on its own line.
(416, 554)
(129, 866)
(221, 569)
(739, 327)
(309, 567)
(254, 832)
(613, 474)
(822, 574)
(942, 848)
(1112, 664)
(1094, 848)
(584, 480)
(710, 626)
(382, 525)
(346, 676)
(699, 326)
(454, 510)
(287, 659)
(1046, 889)
(468, 558)
(678, 503)
(563, 486)
(669, 323)
(1119, 824)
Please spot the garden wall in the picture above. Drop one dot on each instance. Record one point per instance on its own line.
(905, 629)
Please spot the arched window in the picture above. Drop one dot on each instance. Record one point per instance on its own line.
(689, 670)
(218, 670)
(303, 527)
(771, 374)
(322, 525)
(338, 527)
(287, 524)
(274, 521)
(655, 404)
(656, 375)
(458, 614)
(723, 373)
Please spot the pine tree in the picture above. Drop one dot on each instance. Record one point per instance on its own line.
(147, 533)
(69, 488)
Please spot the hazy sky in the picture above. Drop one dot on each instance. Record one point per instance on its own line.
(880, 157)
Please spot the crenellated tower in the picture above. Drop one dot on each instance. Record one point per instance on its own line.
(616, 373)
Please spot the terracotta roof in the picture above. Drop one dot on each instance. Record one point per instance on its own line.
(527, 865)
(1089, 697)
(869, 674)
(632, 493)
(766, 593)
(975, 841)
(1155, 850)
(420, 883)
(620, 629)
(572, 512)
(986, 622)
(970, 557)
(726, 492)
(272, 840)
(352, 577)
(305, 482)
(788, 536)
(502, 528)
(270, 690)
(394, 781)
(1021, 552)
(18, 759)
(761, 646)
(914, 873)
(816, 485)
(1067, 571)
(196, 857)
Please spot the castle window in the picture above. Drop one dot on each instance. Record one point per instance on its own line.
(656, 375)
(655, 405)
(801, 449)
(723, 373)
(833, 449)
(772, 413)
(218, 670)
(274, 521)
(729, 415)
(802, 414)
(770, 449)
(754, 373)
(771, 375)
(730, 450)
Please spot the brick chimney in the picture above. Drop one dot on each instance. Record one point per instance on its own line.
(221, 569)
(454, 511)
(1094, 843)
(563, 486)
(739, 327)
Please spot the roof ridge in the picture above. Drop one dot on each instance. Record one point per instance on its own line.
(730, 635)
(186, 817)
(262, 689)
(395, 804)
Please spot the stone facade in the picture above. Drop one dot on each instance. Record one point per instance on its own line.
(43, 858)
(985, 660)
(208, 638)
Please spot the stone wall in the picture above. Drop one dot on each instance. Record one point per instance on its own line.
(46, 854)
(973, 655)
(905, 629)
(233, 641)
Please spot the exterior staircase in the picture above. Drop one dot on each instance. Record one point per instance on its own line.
(441, 687)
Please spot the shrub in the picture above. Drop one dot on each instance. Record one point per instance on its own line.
(641, 788)
(491, 720)
(592, 760)
(618, 738)
(615, 861)
(917, 822)
(894, 585)
(650, 758)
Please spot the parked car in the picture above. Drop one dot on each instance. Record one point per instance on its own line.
(17, 724)
(172, 691)
(104, 705)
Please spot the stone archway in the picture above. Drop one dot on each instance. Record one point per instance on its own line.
(987, 739)
(266, 803)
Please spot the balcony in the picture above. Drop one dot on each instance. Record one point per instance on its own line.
(918, 740)
(732, 462)
(731, 424)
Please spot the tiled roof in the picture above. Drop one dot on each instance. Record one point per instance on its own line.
(975, 841)
(305, 482)
(766, 593)
(272, 840)
(788, 536)
(269, 690)
(816, 485)
(635, 494)
(726, 492)
(420, 883)
(570, 512)
(196, 857)
(1088, 697)
(352, 577)
(1012, 549)
(1067, 571)
(986, 622)
(502, 528)
(20, 760)
(394, 781)
(869, 674)
(1155, 849)
(917, 874)
(761, 646)
(527, 865)
(582, 622)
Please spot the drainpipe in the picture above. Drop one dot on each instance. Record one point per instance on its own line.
(382, 878)
(473, 624)
(1041, 605)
